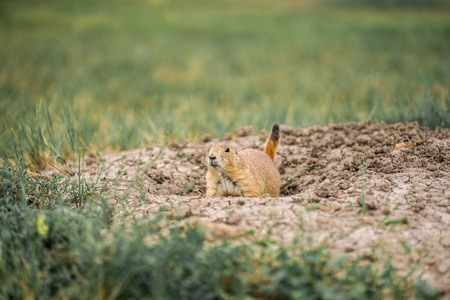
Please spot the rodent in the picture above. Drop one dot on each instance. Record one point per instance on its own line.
(247, 173)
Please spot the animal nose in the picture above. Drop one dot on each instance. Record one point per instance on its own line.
(212, 156)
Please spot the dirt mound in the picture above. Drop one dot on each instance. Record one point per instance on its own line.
(359, 188)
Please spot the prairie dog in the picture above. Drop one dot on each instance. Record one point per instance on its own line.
(247, 173)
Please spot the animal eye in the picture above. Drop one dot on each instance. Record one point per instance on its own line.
(227, 150)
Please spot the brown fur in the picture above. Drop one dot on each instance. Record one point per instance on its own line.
(248, 173)
(272, 142)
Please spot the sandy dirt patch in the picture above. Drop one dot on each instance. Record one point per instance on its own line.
(402, 171)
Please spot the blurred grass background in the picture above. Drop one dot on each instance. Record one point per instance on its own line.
(120, 74)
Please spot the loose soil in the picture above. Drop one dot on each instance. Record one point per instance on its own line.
(359, 188)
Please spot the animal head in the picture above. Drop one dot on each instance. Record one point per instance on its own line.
(220, 157)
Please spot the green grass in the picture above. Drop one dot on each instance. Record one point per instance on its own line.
(127, 74)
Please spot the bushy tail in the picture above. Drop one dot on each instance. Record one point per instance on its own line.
(272, 142)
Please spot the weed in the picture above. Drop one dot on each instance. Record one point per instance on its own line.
(296, 176)
(396, 222)
(388, 214)
(188, 187)
(177, 157)
(312, 206)
(405, 246)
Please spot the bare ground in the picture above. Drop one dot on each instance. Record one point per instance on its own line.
(401, 171)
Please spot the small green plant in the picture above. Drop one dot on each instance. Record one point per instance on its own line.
(188, 187)
(312, 206)
(296, 176)
(177, 157)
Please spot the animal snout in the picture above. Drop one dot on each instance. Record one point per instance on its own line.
(213, 162)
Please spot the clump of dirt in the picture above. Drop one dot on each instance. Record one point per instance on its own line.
(359, 188)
